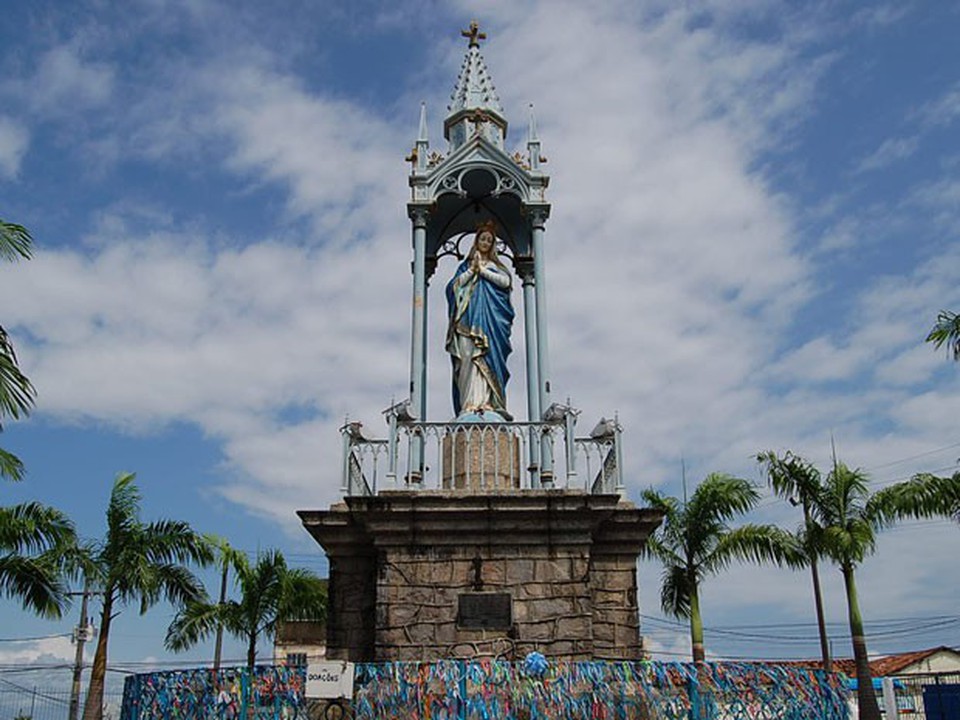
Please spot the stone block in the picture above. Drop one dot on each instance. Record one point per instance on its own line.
(421, 633)
(520, 570)
(604, 632)
(617, 598)
(493, 572)
(548, 608)
(551, 570)
(399, 615)
(626, 636)
(573, 628)
(536, 630)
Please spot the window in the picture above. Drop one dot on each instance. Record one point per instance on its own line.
(297, 659)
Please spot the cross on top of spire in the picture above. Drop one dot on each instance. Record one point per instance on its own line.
(474, 34)
(474, 99)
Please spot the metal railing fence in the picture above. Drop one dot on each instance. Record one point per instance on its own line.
(476, 456)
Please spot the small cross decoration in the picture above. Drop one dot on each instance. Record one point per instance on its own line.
(474, 34)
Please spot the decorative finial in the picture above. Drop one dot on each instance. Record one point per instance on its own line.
(474, 34)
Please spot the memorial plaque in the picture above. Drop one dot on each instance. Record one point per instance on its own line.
(479, 611)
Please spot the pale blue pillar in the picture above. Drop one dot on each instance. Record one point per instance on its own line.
(418, 360)
(538, 215)
(533, 377)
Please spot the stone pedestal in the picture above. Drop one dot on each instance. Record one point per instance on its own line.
(430, 575)
(481, 459)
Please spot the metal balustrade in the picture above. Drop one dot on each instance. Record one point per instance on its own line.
(478, 456)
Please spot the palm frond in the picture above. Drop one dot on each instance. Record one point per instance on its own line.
(175, 541)
(946, 331)
(123, 510)
(35, 582)
(17, 394)
(193, 623)
(655, 549)
(721, 498)
(757, 544)
(790, 476)
(15, 242)
(923, 496)
(675, 592)
(11, 467)
(849, 544)
(33, 527)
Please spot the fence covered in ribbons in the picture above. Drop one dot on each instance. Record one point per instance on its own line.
(498, 690)
(268, 693)
(487, 689)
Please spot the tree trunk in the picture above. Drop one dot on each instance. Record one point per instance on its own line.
(251, 663)
(251, 652)
(821, 623)
(218, 645)
(866, 696)
(93, 707)
(696, 626)
(698, 710)
(817, 596)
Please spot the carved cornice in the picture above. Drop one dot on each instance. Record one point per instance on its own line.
(419, 214)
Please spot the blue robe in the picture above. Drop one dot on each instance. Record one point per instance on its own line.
(481, 310)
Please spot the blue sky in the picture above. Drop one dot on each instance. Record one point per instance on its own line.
(755, 214)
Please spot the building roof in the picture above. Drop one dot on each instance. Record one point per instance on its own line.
(879, 667)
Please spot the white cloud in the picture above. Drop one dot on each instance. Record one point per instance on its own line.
(65, 83)
(14, 140)
(675, 273)
(890, 151)
(691, 239)
(31, 652)
(943, 110)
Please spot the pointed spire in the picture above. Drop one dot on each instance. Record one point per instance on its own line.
(474, 106)
(532, 129)
(418, 156)
(533, 143)
(422, 136)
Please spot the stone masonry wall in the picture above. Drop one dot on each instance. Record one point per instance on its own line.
(418, 592)
(400, 562)
(616, 619)
(351, 607)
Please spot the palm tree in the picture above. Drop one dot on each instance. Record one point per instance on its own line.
(797, 481)
(31, 535)
(16, 393)
(227, 557)
(946, 331)
(32, 542)
(844, 520)
(270, 594)
(696, 541)
(138, 562)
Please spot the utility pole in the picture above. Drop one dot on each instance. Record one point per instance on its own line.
(81, 635)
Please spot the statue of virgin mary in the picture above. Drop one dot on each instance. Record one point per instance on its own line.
(478, 336)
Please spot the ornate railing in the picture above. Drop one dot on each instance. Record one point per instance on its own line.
(478, 456)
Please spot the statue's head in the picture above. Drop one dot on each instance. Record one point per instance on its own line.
(485, 241)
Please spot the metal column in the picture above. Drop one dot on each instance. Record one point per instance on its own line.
(533, 377)
(418, 360)
(537, 217)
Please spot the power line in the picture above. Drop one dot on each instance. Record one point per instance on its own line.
(35, 638)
